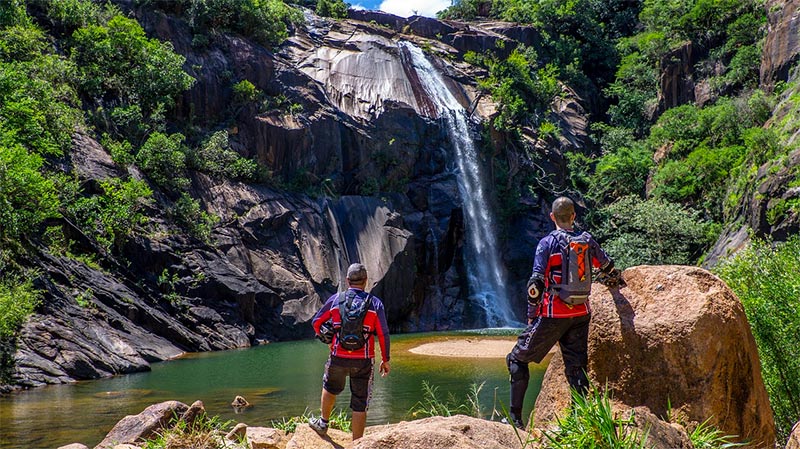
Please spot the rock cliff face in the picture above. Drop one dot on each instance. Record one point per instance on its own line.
(363, 135)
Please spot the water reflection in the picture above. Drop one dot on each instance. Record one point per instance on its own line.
(278, 380)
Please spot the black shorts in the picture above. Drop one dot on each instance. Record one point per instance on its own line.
(572, 335)
(337, 369)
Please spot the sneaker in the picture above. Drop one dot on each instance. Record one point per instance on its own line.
(319, 426)
(516, 421)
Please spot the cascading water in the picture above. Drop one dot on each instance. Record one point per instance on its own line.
(486, 275)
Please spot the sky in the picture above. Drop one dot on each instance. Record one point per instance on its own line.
(403, 8)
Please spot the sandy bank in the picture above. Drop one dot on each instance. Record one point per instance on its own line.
(470, 347)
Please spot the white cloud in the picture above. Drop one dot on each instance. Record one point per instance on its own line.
(407, 8)
(358, 6)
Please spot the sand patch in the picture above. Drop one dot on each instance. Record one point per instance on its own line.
(484, 348)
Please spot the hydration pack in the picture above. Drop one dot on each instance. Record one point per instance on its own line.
(576, 268)
(353, 308)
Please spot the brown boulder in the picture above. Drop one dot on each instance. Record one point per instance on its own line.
(675, 335)
(782, 43)
(266, 438)
(195, 411)
(306, 438)
(794, 437)
(133, 428)
(454, 432)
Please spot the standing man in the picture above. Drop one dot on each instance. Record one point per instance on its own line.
(557, 307)
(352, 355)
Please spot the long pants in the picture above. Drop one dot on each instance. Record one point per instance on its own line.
(533, 344)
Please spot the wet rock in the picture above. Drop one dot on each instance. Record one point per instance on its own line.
(687, 343)
(135, 428)
(239, 402)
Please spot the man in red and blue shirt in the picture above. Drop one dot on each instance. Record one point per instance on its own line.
(357, 364)
(550, 319)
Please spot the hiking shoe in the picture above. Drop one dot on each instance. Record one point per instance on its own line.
(516, 421)
(319, 426)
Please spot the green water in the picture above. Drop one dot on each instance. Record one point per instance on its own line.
(279, 380)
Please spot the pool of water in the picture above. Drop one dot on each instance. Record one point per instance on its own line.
(279, 380)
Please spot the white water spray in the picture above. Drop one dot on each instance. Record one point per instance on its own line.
(486, 275)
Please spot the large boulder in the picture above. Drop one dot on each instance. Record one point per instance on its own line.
(135, 428)
(675, 336)
(454, 432)
(794, 437)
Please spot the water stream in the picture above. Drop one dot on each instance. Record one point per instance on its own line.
(486, 275)
(280, 380)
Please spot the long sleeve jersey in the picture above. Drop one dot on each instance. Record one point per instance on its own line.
(547, 263)
(374, 323)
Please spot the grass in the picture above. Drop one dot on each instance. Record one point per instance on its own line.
(338, 420)
(432, 405)
(203, 433)
(591, 423)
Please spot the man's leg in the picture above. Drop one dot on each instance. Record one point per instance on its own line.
(327, 402)
(533, 344)
(360, 394)
(358, 424)
(574, 348)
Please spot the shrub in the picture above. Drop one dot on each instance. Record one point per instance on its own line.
(216, 157)
(163, 158)
(332, 8)
(117, 61)
(264, 20)
(18, 300)
(27, 197)
(620, 173)
(653, 232)
(766, 278)
(112, 216)
(188, 214)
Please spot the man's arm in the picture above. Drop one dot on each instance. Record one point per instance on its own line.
(323, 314)
(536, 282)
(382, 331)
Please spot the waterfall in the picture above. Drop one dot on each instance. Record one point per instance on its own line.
(486, 274)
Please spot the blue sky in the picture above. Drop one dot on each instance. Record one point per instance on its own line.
(403, 8)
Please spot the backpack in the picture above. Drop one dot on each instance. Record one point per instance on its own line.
(576, 268)
(353, 309)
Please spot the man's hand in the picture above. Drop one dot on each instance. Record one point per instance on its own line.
(611, 279)
(384, 368)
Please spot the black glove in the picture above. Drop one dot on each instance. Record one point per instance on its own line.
(609, 276)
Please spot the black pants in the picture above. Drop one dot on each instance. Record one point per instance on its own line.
(338, 369)
(533, 344)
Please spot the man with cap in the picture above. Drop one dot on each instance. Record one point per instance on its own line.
(356, 364)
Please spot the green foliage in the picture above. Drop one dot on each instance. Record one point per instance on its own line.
(338, 420)
(69, 15)
(27, 197)
(707, 436)
(620, 173)
(591, 423)
(766, 278)
(190, 216)
(18, 300)
(216, 157)
(244, 92)
(652, 232)
(523, 90)
(112, 216)
(203, 433)
(118, 60)
(432, 405)
(332, 8)
(265, 21)
(163, 158)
